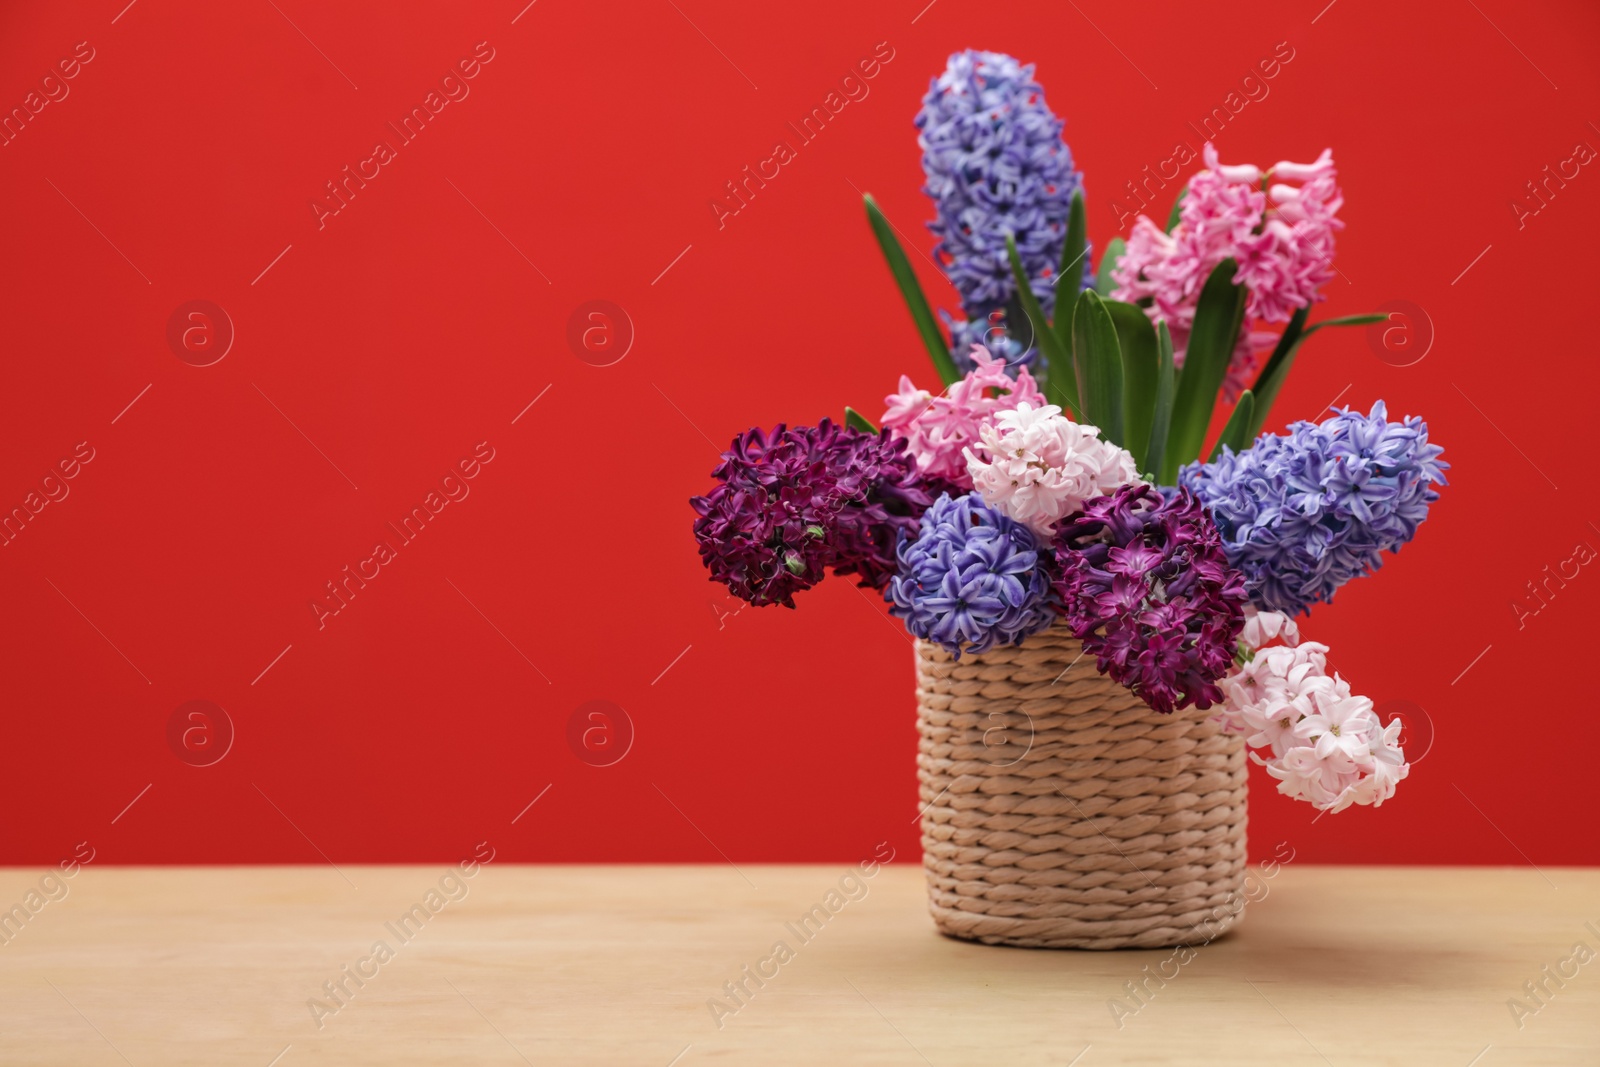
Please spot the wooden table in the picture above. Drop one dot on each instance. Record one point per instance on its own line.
(623, 965)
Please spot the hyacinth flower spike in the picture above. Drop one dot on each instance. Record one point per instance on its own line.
(972, 578)
(792, 504)
(1145, 586)
(995, 167)
(1303, 513)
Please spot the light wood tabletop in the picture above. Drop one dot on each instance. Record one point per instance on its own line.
(672, 965)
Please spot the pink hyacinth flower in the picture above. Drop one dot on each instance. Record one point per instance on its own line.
(1282, 240)
(1037, 466)
(940, 428)
(1321, 742)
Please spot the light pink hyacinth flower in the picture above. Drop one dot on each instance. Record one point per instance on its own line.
(1281, 237)
(1264, 627)
(1326, 744)
(938, 429)
(1039, 467)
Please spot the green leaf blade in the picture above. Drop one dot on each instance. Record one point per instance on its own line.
(1097, 362)
(1236, 434)
(1059, 387)
(1069, 281)
(1103, 282)
(1177, 210)
(1217, 320)
(1349, 320)
(1161, 413)
(1276, 370)
(1140, 365)
(911, 290)
(855, 420)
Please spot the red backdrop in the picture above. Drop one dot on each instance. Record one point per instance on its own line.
(387, 338)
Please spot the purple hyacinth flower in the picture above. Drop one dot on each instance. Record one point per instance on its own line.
(972, 578)
(1146, 587)
(995, 164)
(1301, 514)
(794, 503)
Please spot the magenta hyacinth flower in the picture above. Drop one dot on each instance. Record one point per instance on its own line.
(794, 503)
(1146, 587)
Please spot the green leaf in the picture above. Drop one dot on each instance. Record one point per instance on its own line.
(1177, 209)
(911, 290)
(1069, 281)
(1273, 375)
(1277, 368)
(1161, 413)
(1217, 319)
(1018, 327)
(856, 420)
(1236, 434)
(1103, 282)
(1137, 339)
(1348, 320)
(1059, 387)
(1097, 361)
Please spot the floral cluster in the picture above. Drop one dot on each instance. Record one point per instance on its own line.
(792, 503)
(1324, 744)
(1281, 235)
(1146, 587)
(940, 429)
(995, 165)
(984, 515)
(1039, 467)
(1179, 593)
(971, 578)
(959, 583)
(1303, 513)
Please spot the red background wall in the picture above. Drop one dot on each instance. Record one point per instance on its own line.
(373, 353)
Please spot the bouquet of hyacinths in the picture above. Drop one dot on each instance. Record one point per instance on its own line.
(1057, 483)
(986, 517)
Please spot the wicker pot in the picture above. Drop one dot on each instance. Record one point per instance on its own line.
(1061, 812)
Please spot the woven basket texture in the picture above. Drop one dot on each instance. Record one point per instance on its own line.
(1062, 812)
